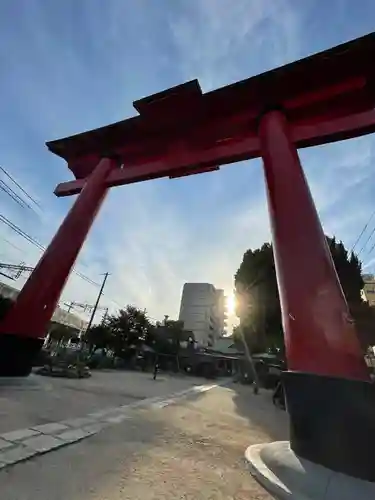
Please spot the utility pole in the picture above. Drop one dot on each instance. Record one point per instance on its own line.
(248, 355)
(97, 302)
(70, 306)
(105, 315)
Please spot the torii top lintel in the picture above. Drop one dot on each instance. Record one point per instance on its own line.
(327, 97)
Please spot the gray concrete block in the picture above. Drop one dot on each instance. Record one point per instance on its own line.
(16, 454)
(19, 434)
(43, 443)
(73, 435)
(78, 422)
(52, 428)
(5, 444)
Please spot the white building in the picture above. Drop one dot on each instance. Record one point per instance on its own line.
(59, 316)
(203, 312)
(368, 291)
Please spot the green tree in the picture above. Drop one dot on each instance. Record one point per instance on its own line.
(168, 337)
(98, 337)
(176, 333)
(258, 299)
(130, 328)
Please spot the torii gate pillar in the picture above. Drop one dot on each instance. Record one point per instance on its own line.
(23, 330)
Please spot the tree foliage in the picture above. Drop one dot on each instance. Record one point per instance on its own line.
(122, 333)
(130, 330)
(258, 304)
(98, 337)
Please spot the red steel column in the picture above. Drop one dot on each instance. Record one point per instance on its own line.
(320, 336)
(38, 298)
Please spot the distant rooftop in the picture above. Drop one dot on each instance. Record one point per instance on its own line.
(59, 316)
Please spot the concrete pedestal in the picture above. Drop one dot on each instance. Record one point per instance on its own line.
(286, 476)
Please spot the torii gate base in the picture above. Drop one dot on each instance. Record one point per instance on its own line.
(323, 98)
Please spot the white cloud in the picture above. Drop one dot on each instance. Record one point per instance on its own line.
(216, 37)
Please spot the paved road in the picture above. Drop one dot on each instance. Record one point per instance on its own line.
(39, 400)
(192, 449)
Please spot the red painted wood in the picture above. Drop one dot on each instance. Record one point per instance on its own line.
(38, 298)
(320, 336)
(325, 86)
(230, 151)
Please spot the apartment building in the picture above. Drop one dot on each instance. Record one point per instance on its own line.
(203, 311)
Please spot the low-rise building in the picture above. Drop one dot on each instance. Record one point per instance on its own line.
(368, 291)
(60, 316)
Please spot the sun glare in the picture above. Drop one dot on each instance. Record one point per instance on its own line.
(231, 304)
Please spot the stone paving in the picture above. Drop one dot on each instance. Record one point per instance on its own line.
(192, 449)
(37, 400)
(22, 444)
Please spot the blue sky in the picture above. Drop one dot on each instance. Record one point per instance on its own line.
(75, 65)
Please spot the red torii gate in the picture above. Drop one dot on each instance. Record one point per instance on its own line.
(324, 98)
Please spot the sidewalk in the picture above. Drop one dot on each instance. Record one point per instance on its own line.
(38, 400)
(191, 449)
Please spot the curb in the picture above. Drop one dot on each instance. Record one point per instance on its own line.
(286, 476)
(23, 444)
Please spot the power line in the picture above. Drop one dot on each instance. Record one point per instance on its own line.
(11, 244)
(363, 230)
(13, 195)
(368, 239)
(9, 191)
(41, 247)
(20, 232)
(19, 186)
(36, 243)
(371, 249)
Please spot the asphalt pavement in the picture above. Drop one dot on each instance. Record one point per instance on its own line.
(192, 448)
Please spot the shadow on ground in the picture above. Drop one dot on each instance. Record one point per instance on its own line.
(259, 410)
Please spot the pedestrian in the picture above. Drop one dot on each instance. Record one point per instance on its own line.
(156, 368)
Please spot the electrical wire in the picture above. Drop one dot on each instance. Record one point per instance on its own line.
(371, 249)
(11, 244)
(363, 231)
(9, 191)
(36, 243)
(14, 196)
(20, 232)
(368, 239)
(20, 187)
